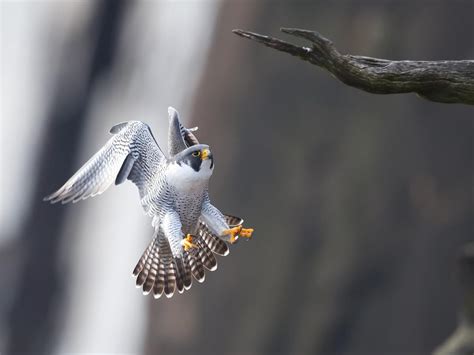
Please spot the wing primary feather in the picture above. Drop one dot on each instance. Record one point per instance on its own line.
(115, 162)
(190, 138)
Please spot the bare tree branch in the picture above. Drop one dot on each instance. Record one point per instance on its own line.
(447, 81)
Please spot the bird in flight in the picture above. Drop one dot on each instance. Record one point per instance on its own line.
(188, 229)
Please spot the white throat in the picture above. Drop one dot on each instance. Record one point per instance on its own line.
(186, 179)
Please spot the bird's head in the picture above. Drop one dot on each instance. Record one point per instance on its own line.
(198, 157)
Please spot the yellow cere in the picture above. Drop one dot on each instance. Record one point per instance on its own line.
(205, 154)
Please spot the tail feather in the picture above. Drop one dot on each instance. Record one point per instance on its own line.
(170, 278)
(180, 274)
(150, 280)
(162, 259)
(153, 272)
(207, 257)
(187, 275)
(156, 270)
(166, 258)
(197, 270)
(159, 286)
(159, 272)
(145, 269)
(217, 245)
(141, 263)
(233, 221)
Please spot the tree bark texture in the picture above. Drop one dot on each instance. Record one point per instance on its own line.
(348, 193)
(447, 81)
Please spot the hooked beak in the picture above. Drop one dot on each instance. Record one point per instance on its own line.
(205, 154)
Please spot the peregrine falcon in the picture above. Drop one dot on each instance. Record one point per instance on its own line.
(188, 229)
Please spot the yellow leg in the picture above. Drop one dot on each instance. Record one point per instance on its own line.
(234, 233)
(188, 244)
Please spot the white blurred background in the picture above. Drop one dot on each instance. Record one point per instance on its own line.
(160, 55)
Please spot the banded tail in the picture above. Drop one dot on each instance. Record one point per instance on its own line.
(159, 272)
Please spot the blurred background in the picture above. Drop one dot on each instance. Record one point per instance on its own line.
(360, 202)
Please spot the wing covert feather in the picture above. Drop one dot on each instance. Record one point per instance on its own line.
(102, 170)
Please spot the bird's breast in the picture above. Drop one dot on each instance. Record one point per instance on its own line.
(189, 209)
(187, 189)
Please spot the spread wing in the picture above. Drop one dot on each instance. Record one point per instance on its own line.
(179, 137)
(131, 153)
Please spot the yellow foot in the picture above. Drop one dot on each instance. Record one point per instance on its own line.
(187, 243)
(234, 233)
(246, 232)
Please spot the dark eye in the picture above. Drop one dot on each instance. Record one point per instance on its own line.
(196, 154)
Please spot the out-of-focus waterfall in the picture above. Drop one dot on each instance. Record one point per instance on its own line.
(27, 75)
(162, 52)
